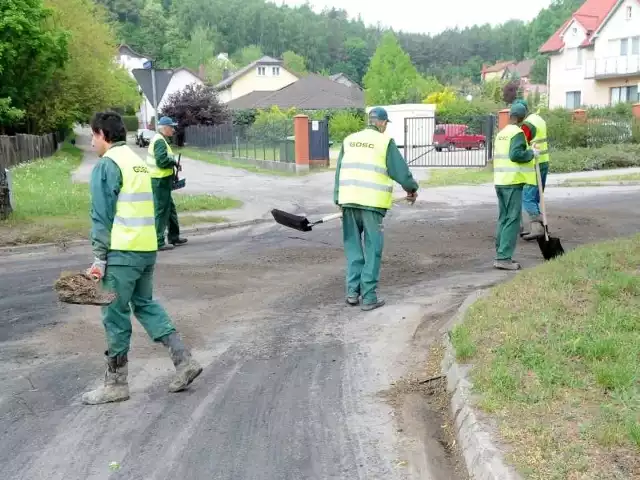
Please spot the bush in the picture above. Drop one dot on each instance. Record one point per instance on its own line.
(272, 125)
(343, 124)
(130, 123)
(603, 158)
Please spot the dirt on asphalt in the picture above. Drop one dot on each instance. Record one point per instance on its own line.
(286, 360)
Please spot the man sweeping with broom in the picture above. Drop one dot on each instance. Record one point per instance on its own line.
(368, 164)
(124, 243)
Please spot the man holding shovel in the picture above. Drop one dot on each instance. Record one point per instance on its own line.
(161, 163)
(124, 244)
(513, 168)
(368, 164)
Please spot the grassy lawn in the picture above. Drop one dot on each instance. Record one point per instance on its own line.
(442, 177)
(51, 208)
(556, 360)
(214, 158)
(594, 181)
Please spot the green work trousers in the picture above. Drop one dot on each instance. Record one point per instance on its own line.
(165, 210)
(363, 264)
(133, 286)
(509, 216)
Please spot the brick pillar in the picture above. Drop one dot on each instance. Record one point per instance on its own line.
(503, 118)
(580, 115)
(636, 111)
(301, 133)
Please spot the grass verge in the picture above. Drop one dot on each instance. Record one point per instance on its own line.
(442, 177)
(211, 157)
(51, 208)
(555, 356)
(605, 180)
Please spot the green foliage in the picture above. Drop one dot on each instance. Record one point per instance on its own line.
(391, 77)
(441, 98)
(9, 115)
(294, 62)
(199, 50)
(343, 124)
(130, 122)
(272, 125)
(539, 70)
(247, 55)
(600, 158)
(493, 90)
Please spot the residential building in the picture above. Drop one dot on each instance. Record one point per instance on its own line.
(497, 71)
(594, 58)
(343, 79)
(506, 70)
(265, 75)
(311, 92)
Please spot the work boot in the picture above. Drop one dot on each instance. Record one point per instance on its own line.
(537, 230)
(178, 242)
(353, 300)
(164, 247)
(187, 369)
(367, 307)
(506, 265)
(116, 387)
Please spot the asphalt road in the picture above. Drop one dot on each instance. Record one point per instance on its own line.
(292, 380)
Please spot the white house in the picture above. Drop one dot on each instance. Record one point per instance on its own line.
(594, 58)
(131, 60)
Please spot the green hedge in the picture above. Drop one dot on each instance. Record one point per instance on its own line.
(130, 122)
(602, 158)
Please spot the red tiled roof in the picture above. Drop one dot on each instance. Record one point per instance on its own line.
(590, 15)
(497, 67)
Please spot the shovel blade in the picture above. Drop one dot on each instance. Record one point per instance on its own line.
(551, 248)
(290, 220)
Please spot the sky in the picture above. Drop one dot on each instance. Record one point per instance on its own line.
(406, 15)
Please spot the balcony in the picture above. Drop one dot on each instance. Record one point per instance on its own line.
(612, 67)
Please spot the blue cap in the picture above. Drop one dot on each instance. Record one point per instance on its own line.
(166, 122)
(379, 113)
(518, 110)
(523, 103)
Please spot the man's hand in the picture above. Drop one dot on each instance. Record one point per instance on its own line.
(96, 270)
(536, 151)
(412, 197)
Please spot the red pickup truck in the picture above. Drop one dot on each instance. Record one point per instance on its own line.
(452, 136)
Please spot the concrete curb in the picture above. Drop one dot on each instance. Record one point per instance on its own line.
(483, 458)
(202, 230)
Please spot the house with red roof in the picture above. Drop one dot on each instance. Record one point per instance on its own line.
(594, 58)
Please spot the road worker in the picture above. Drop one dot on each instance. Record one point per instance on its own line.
(535, 131)
(368, 163)
(124, 244)
(513, 168)
(161, 163)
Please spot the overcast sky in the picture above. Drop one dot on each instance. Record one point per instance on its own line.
(407, 15)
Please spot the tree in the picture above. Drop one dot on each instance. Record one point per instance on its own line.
(294, 62)
(539, 70)
(391, 76)
(199, 50)
(30, 53)
(510, 92)
(247, 55)
(195, 105)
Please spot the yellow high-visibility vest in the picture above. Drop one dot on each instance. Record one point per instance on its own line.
(134, 226)
(364, 179)
(506, 172)
(154, 171)
(540, 140)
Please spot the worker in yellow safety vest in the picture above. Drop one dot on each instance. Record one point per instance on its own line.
(124, 243)
(535, 131)
(161, 163)
(368, 164)
(513, 168)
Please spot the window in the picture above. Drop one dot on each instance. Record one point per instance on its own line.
(628, 94)
(275, 71)
(574, 99)
(262, 71)
(624, 47)
(629, 10)
(574, 58)
(635, 46)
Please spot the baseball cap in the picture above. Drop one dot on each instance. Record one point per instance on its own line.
(518, 110)
(523, 103)
(379, 113)
(166, 122)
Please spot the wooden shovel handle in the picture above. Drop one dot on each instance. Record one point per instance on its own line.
(543, 210)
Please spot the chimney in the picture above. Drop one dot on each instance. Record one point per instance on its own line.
(201, 72)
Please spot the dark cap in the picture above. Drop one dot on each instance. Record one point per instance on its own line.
(379, 113)
(518, 110)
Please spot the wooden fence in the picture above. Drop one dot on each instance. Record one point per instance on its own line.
(24, 148)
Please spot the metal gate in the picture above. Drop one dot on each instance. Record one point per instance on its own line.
(429, 142)
(319, 139)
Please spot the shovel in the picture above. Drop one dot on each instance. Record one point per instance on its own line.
(549, 246)
(178, 183)
(303, 224)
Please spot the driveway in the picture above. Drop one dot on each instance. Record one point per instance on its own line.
(293, 378)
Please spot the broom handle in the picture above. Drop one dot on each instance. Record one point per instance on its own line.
(543, 210)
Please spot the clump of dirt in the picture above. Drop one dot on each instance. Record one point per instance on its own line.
(80, 289)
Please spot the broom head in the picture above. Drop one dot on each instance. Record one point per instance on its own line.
(290, 220)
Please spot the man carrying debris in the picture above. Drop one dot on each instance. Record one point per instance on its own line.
(535, 131)
(513, 168)
(368, 164)
(124, 243)
(161, 162)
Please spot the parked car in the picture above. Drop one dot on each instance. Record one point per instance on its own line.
(144, 136)
(452, 136)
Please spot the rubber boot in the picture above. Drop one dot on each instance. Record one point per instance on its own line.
(115, 388)
(187, 369)
(536, 230)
